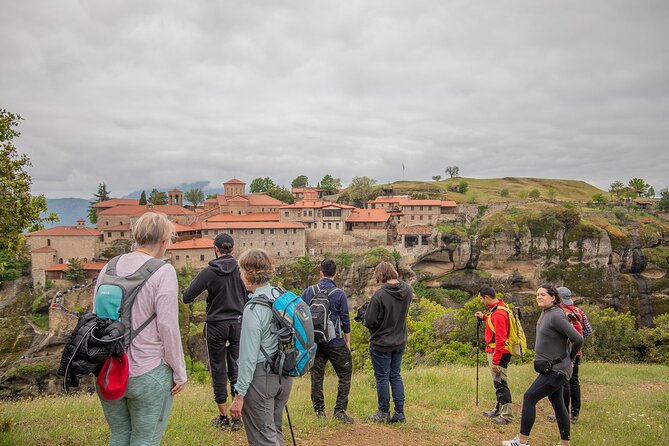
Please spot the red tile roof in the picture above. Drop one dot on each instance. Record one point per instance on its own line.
(296, 190)
(44, 249)
(368, 216)
(198, 225)
(263, 200)
(67, 231)
(136, 211)
(196, 243)
(448, 204)
(237, 198)
(415, 230)
(92, 266)
(234, 181)
(315, 204)
(259, 216)
(182, 228)
(117, 202)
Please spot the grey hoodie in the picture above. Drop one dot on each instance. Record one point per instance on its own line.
(386, 317)
(555, 338)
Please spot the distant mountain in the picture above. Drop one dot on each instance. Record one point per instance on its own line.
(183, 187)
(69, 210)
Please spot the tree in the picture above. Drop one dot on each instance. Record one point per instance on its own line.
(651, 192)
(360, 190)
(301, 181)
(599, 198)
(75, 271)
(212, 196)
(453, 171)
(534, 194)
(281, 193)
(19, 209)
(617, 188)
(261, 185)
(436, 177)
(157, 197)
(639, 186)
(463, 187)
(663, 204)
(101, 195)
(504, 193)
(142, 199)
(195, 196)
(330, 185)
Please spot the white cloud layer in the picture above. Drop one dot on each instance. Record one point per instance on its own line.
(157, 93)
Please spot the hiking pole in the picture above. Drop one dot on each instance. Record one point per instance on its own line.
(290, 425)
(478, 325)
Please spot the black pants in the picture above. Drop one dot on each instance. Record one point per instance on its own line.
(340, 358)
(572, 391)
(223, 357)
(546, 385)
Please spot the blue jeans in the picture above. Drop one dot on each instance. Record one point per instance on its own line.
(387, 370)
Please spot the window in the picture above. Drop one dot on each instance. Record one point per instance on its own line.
(294, 231)
(429, 208)
(323, 225)
(318, 213)
(107, 223)
(206, 232)
(122, 233)
(201, 257)
(329, 225)
(188, 257)
(60, 260)
(262, 231)
(336, 225)
(177, 257)
(278, 253)
(109, 235)
(299, 213)
(310, 213)
(420, 217)
(285, 231)
(420, 208)
(286, 213)
(413, 217)
(271, 231)
(48, 242)
(232, 231)
(331, 212)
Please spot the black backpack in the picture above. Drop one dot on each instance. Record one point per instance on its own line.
(324, 329)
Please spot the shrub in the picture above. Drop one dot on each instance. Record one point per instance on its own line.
(615, 338)
(463, 187)
(196, 371)
(534, 194)
(504, 193)
(655, 341)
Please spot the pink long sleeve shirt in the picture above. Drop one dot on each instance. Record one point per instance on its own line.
(160, 341)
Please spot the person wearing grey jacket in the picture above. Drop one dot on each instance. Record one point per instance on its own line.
(556, 346)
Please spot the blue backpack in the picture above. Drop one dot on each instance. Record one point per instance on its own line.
(295, 330)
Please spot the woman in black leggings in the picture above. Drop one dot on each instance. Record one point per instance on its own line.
(556, 346)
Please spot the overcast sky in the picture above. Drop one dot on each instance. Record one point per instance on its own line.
(157, 93)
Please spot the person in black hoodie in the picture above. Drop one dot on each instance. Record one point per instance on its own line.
(226, 297)
(386, 320)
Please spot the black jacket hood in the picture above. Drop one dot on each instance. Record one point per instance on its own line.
(397, 290)
(224, 265)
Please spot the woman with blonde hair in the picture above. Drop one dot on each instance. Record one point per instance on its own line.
(386, 320)
(261, 394)
(157, 370)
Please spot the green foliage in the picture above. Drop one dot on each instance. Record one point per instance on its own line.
(463, 186)
(534, 194)
(157, 198)
(211, 196)
(195, 196)
(307, 271)
(377, 255)
(453, 171)
(463, 328)
(638, 186)
(440, 295)
(142, 199)
(261, 185)
(459, 230)
(420, 326)
(117, 247)
(615, 338)
(663, 203)
(655, 341)
(30, 369)
(599, 198)
(344, 259)
(12, 266)
(504, 192)
(75, 271)
(436, 177)
(281, 194)
(617, 189)
(359, 346)
(196, 371)
(101, 195)
(551, 192)
(454, 353)
(330, 185)
(300, 181)
(396, 257)
(523, 194)
(19, 210)
(360, 190)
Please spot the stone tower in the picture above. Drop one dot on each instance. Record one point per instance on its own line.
(175, 197)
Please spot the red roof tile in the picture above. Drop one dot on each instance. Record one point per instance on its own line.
(117, 202)
(136, 211)
(237, 198)
(67, 231)
(368, 216)
(448, 204)
(196, 243)
(263, 200)
(234, 181)
(267, 216)
(415, 230)
(92, 266)
(44, 249)
(198, 225)
(315, 204)
(182, 228)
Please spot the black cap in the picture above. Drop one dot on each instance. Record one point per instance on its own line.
(223, 239)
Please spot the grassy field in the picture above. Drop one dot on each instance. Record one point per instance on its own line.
(623, 404)
(487, 190)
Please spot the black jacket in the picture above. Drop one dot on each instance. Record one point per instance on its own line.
(226, 294)
(386, 317)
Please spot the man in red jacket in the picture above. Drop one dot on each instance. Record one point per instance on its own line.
(496, 333)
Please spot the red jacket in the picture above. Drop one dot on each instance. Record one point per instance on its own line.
(500, 320)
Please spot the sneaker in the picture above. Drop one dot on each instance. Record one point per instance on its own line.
(490, 413)
(380, 417)
(551, 418)
(320, 414)
(236, 424)
(341, 416)
(221, 422)
(500, 420)
(398, 417)
(514, 442)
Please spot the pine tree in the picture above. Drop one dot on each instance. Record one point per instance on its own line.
(142, 199)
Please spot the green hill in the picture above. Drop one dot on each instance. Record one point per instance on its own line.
(488, 190)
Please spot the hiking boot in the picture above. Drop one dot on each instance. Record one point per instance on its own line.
(221, 422)
(551, 418)
(398, 417)
(341, 416)
(236, 424)
(574, 418)
(500, 420)
(380, 417)
(489, 413)
(320, 414)
(514, 442)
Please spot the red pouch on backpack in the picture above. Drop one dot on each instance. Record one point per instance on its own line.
(113, 378)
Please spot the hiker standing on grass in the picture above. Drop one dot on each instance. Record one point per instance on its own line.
(261, 394)
(386, 320)
(337, 350)
(572, 389)
(554, 361)
(497, 327)
(157, 369)
(226, 296)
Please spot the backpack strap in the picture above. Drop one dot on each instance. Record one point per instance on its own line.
(111, 266)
